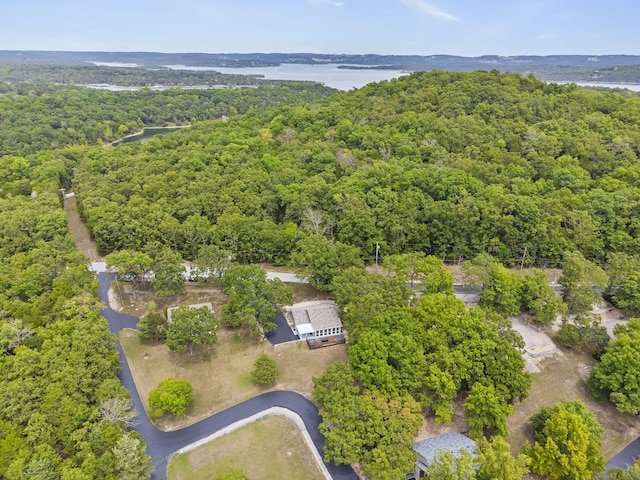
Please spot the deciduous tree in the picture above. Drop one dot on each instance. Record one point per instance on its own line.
(617, 376)
(191, 326)
(568, 440)
(172, 395)
(495, 461)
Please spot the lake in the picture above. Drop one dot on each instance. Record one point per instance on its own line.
(147, 134)
(329, 74)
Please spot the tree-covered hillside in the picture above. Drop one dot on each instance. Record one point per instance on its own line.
(449, 164)
(37, 117)
(63, 412)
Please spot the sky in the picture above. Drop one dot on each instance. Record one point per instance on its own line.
(400, 27)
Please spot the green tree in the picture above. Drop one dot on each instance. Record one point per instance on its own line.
(495, 461)
(624, 282)
(499, 289)
(617, 376)
(429, 271)
(212, 262)
(540, 300)
(324, 259)
(366, 427)
(172, 395)
(486, 411)
(632, 472)
(567, 444)
(584, 331)
(579, 277)
(447, 466)
(406, 266)
(253, 300)
(131, 266)
(132, 462)
(265, 371)
(168, 278)
(191, 326)
(153, 325)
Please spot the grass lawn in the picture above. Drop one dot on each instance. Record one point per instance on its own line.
(563, 377)
(221, 375)
(277, 450)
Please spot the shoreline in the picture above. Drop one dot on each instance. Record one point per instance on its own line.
(142, 132)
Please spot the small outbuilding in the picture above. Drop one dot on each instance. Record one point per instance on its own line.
(427, 450)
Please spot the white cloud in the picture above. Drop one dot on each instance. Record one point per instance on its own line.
(429, 9)
(333, 3)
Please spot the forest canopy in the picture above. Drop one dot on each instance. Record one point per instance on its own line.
(449, 164)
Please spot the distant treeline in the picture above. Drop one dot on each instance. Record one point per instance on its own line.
(18, 73)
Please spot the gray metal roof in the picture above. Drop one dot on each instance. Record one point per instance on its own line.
(451, 441)
(319, 316)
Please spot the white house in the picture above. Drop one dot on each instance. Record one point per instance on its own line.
(318, 323)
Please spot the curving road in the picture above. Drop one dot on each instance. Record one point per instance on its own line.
(162, 445)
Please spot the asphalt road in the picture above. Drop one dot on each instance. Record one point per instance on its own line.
(161, 445)
(627, 456)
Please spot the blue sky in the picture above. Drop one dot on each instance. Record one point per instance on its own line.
(422, 27)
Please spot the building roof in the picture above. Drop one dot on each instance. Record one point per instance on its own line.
(451, 441)
(320, 317)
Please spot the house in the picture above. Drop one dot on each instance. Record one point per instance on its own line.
(195, 305)
(427, 450)
(318, 323)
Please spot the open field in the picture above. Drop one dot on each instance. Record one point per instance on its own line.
(221, 376)
(277, 451)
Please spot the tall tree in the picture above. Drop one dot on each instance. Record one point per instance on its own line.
(191, 326)
(253, 300)
(486, 411)
(495, 461)
(447, 466)
(132, 463)
(617, 376)
(265, 370)
(568, 440)
(579, 279)
(212, 262)
(131, 266)
(168, 278)
(324, 259)
(367, 426)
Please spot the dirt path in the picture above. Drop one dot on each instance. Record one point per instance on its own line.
(79, 230)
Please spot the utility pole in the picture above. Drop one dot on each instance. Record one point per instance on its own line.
(377, 252)
(523, 257)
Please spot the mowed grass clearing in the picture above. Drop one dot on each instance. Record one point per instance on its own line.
(221, 375)
(269, 448)
(563, 377)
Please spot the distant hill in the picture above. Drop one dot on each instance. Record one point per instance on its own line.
(603, 68)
